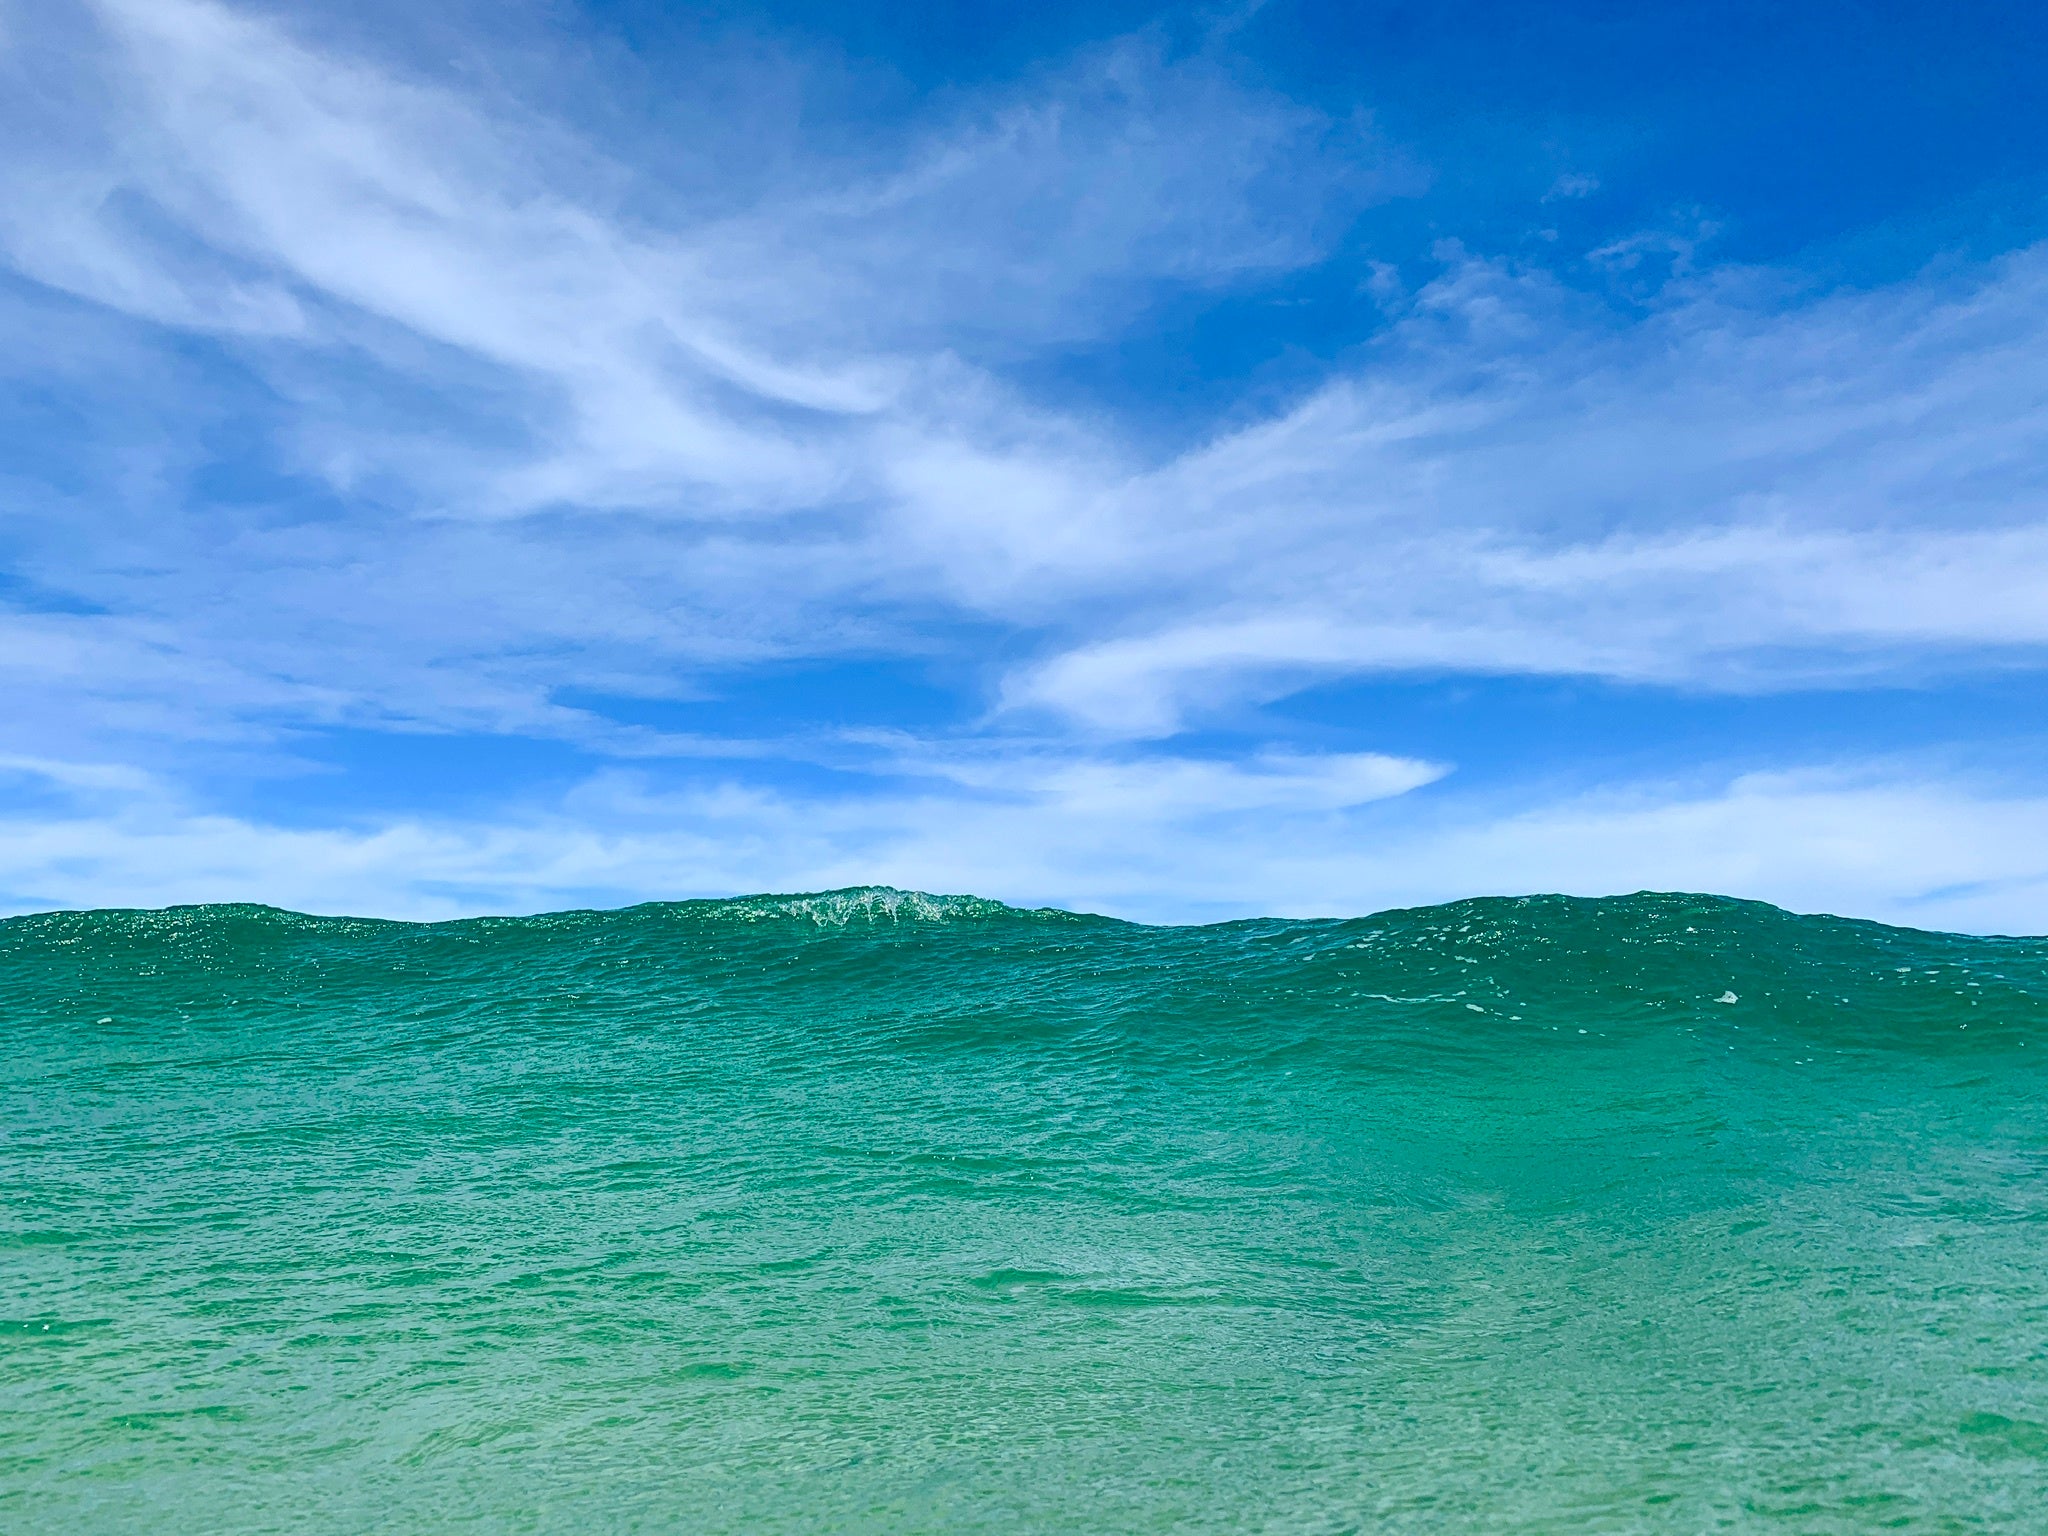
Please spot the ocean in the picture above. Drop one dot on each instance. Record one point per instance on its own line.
(880, 1212)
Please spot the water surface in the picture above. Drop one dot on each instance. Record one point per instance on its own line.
(876, 1212)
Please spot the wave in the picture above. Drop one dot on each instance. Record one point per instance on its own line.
(877, 1210)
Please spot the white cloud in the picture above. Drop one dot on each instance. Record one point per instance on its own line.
(1169, 789)
(1732, 488)
(1721, 495)
(741, 430)
(1737, 607)
(1168, 842)
(236, 181)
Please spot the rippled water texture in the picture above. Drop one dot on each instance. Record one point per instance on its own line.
(870, 1212)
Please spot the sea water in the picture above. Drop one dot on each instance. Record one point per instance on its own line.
(880, 1212)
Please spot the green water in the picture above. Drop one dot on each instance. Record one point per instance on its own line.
(881, 1213)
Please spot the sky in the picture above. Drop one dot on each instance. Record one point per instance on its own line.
(1183, 463)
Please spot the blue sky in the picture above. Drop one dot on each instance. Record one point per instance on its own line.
(1184, 463)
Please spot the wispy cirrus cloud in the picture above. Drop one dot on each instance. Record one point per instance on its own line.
(1733, 491)
(713, 441)
(235, 182)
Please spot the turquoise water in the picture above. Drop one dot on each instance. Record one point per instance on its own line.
(874, 1212)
